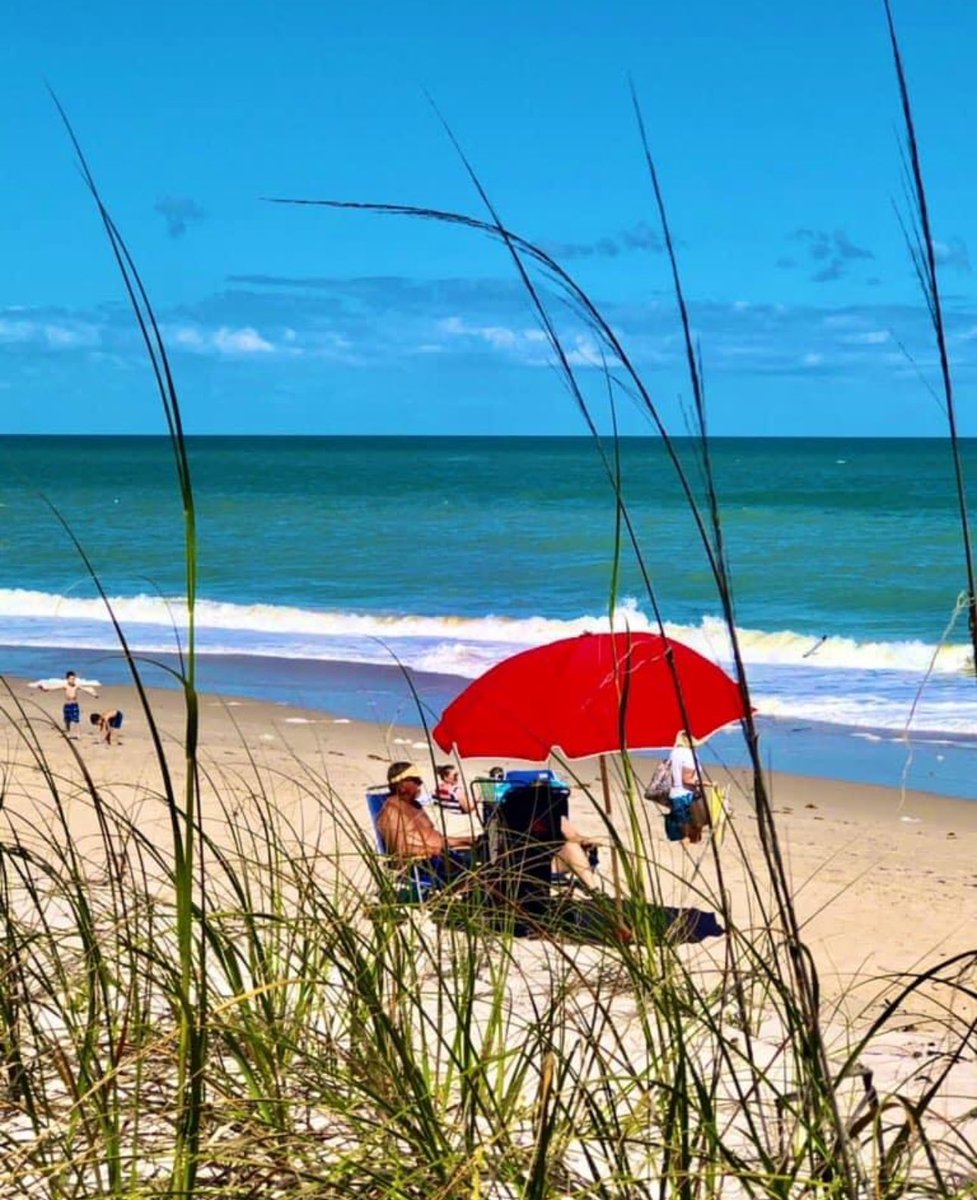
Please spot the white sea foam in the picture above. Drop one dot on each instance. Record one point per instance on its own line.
(457, 645)
(870, 686)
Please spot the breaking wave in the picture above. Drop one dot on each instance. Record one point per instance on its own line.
(458, 645)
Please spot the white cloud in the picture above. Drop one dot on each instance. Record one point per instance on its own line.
(874, 337)
(241, 341)
(530, 346)
(16, 331)
(60, 337)
(499, 336)
(188, 337)
(224, 340)
(585, 352)
(55, 336)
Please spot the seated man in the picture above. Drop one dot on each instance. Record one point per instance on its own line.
(409, 833)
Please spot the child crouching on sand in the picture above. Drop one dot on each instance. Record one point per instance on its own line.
(108, 723)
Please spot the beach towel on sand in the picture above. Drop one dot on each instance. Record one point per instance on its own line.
(57, 681)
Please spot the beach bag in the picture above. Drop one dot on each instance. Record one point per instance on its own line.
(660, 783)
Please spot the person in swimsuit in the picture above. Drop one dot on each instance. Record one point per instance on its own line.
(72, 709)
(449, 792)
(108, 723)
(409, 833)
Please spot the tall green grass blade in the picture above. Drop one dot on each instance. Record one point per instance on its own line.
(923, 254)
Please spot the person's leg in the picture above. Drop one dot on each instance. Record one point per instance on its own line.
(679, 823)
(450, 867)
(572, 857)
(572, 834)
(700, 812)
(695, 817)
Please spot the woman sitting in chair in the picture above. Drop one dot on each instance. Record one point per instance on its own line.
(449, 792)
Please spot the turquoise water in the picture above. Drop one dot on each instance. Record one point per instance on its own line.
(850, 538)
(452, 553)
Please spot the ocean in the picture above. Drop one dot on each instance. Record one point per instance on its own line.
(327, 564)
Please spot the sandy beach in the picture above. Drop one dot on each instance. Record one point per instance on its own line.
(884, 882)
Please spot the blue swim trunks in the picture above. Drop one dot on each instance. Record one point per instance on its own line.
(72, 713)
(115, 722)
(680, 816)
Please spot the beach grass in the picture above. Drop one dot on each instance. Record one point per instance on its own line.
(921, 245)
(245, 1007)
(356, 1045)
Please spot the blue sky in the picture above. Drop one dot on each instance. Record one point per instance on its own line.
(774, 127)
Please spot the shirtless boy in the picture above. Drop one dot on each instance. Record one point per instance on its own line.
(108, 723)
(72, 709)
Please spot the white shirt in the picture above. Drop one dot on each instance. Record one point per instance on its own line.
(680, 759)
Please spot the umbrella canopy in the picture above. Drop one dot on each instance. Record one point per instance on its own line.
(594, 694)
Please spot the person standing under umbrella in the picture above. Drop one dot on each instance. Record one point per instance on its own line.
(687, 816)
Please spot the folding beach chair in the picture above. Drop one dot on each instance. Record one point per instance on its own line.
(529, 833)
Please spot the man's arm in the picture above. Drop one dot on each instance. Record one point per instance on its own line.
(465, 803)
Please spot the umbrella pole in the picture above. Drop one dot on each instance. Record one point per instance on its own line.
(606, 787)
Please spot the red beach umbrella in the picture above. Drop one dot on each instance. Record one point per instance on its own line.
(588, 695)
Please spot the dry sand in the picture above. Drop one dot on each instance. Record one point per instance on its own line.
(884, 882)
